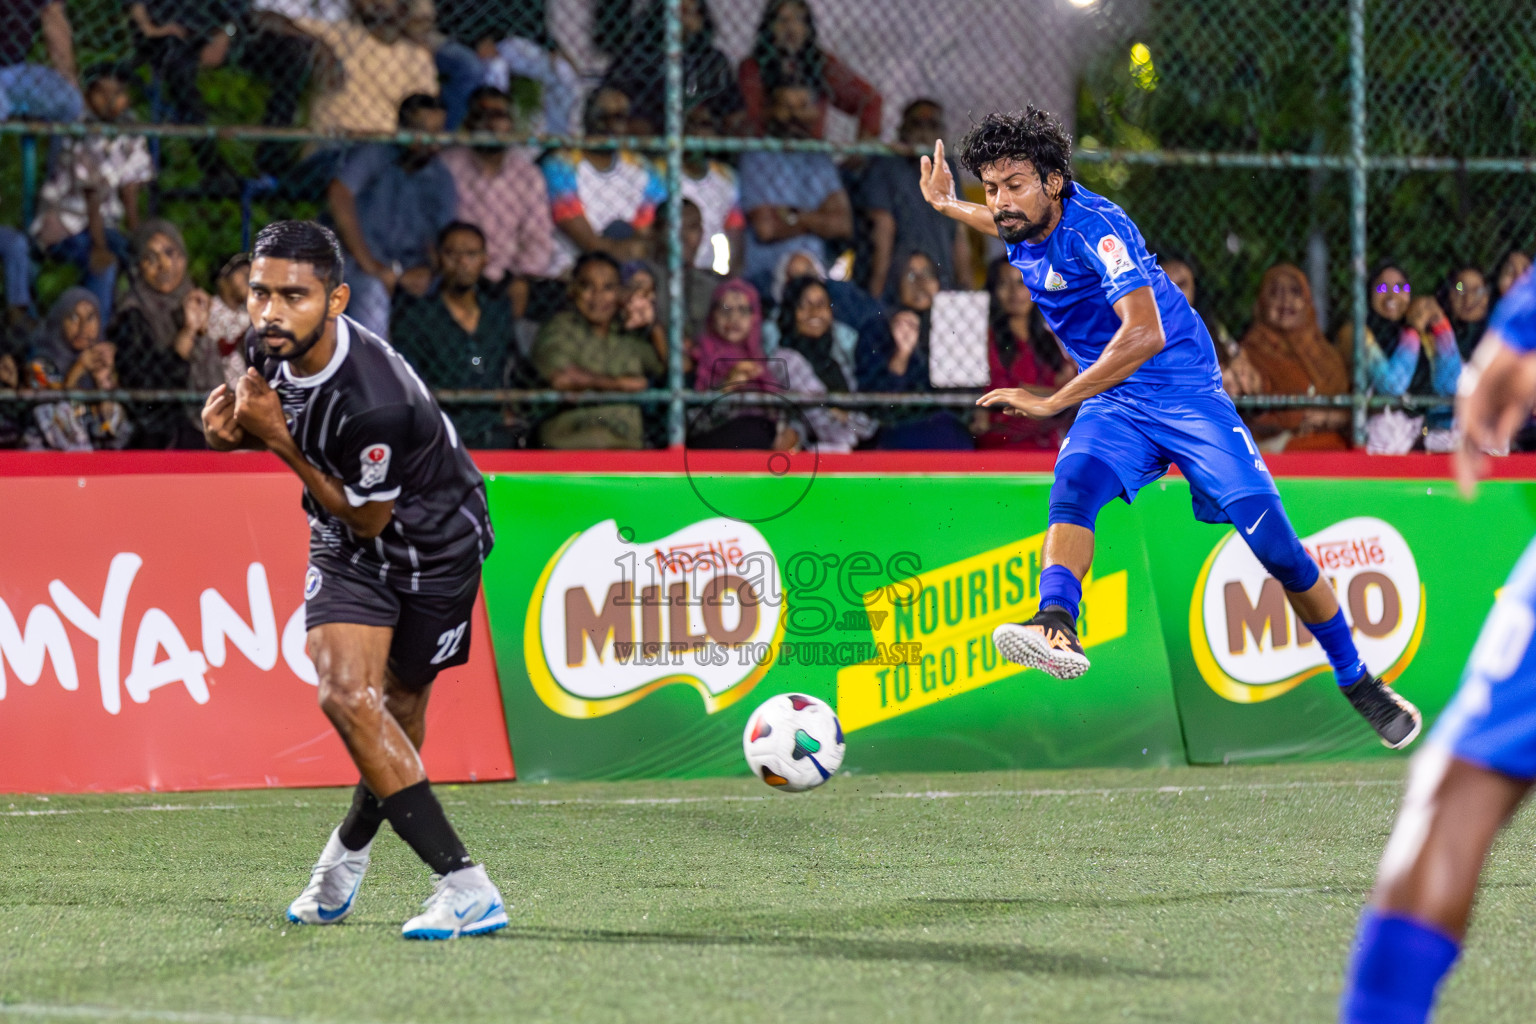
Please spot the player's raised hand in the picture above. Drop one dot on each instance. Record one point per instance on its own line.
(219, 424)
(1036, 403)
(259, 410)
(935, 179)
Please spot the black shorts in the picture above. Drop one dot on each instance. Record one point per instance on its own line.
(432, 631)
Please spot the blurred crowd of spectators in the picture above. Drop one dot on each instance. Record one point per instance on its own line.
(492, 266)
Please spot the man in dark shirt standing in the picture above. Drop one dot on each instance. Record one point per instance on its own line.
(461, 334)
(399, 527)
(901, 221)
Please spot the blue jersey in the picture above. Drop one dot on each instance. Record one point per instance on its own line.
(1515, 317)
(1093, 259)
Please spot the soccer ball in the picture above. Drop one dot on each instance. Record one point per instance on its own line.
(793, 742)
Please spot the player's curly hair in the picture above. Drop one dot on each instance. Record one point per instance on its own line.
(1033, 135)
(303, 241)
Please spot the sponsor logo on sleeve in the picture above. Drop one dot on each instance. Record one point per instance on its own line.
(312, 581)
(1054, 282)
(1114, 255)
(375, 459)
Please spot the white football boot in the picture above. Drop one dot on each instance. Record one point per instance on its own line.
(464, 903)
(332, 888)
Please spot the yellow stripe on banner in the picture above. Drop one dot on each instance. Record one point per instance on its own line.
(938, 626)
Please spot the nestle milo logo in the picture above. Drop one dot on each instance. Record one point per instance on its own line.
(612, 620)
(1247, 641)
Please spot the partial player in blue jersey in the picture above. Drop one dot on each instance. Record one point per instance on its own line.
(1150, 394)
(1480, 760)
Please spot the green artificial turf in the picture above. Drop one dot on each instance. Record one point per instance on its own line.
(1189, 895)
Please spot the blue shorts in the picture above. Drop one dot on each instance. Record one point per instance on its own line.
(1200, 433)
(1492, 720)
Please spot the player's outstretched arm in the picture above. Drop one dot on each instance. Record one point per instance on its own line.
(259, 412)
(938, 186)
(1493, 400)
(1139, 338)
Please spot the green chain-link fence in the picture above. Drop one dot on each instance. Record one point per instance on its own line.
(727, 136)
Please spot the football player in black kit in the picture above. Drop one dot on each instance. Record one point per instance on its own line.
(399, 527)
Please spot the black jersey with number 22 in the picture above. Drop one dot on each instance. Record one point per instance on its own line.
(368, 420)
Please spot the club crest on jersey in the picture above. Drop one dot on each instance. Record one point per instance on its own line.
(1114, 255)
(1054, 282)
(375, 460)
(312, 581)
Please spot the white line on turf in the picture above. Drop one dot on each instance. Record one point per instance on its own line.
(666, 801)
(46, 1011)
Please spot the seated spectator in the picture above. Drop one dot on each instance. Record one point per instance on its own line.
(1511, 269)
(1410, 349)
(1238, 377)
(155, 328)
(389, 202)
(14, 253)
(178, 39)
(712, 186)
(462, 334)
(901, 221)
(92, 196)
(786, 49)
(35, 92)
(640, 71)
(285, 58)
(893, 355)
(845, 297)
(813, 366)
(592, 192)
(68, 354)
(1465, 296)
(492, 43)
(792, 201)
(731, 359)
(219, 355)
(855, 306)
(380, 66)
(586, 349)
(1292, 357)
(699, 283)
(503, 193)
(1021, 353)
(638, 282)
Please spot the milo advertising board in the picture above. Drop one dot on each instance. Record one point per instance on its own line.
(638, 620)
(1415, 569)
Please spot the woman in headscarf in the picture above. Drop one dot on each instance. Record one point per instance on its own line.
(1467, 298)
(69, 355)
(893, 355)
(813, 365)
(1021, 352)
(1293, 357)
(156, 326)
(730, 359)
(786, 47)
(855, 307)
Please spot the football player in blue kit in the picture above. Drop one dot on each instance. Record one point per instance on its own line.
(1150, 394)
(1479, 762)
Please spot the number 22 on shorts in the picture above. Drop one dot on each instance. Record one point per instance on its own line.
(448, 643)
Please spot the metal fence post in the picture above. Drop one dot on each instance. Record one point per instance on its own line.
(676, 427)
(1358, 184)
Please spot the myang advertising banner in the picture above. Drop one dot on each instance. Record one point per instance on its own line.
(639, 619)
(1415, 569)
(152, 638)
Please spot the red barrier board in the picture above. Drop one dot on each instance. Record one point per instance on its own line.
(152, 638)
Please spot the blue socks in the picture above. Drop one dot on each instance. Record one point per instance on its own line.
(1060, 588)
(1394, 971)
(1348, 669)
